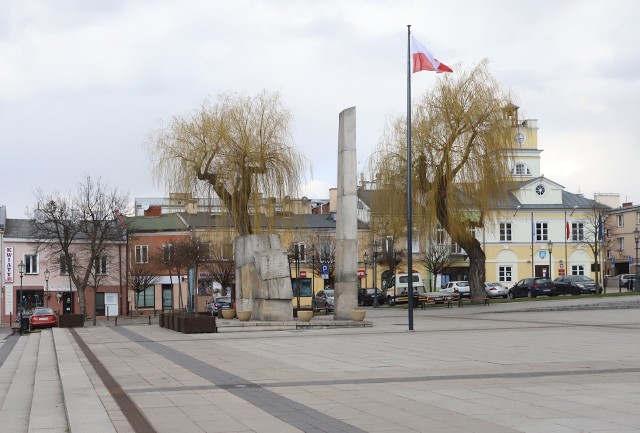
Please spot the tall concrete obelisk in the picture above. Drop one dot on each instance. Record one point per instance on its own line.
(346, 288)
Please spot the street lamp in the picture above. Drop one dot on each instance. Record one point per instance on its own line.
(21, 270)
(375, 277)
(636, 236)
(365, 259)
(550, 248)
(46, 279)
(313, 270)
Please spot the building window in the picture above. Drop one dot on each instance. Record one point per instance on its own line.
(142, 254)
(101, 265)
(456, 249)
(227, 251)
(146, 298)
(30, 263)
(298, 252)
(505, 232)
(637, 217)
(168, 253)
(621, 245)
(542, 232)
(504, 274)
(577, 231)
(64, 270)
(608, 254)
(440, 235)
(577, 270)
(521, 169)
(620, 220)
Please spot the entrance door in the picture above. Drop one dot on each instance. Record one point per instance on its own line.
(67, 302)
(100, 304)
(542, 271)
(111, 304)
(167, 296)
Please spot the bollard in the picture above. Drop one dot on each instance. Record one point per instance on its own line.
(116, 321)
(107, 313)
(149, 320)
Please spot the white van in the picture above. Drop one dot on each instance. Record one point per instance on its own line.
(398, 287)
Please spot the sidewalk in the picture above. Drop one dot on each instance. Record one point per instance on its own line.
(548, 366)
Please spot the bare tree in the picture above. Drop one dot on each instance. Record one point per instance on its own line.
(222, 270)
(239, 147)
(143, 275)
(461, 151)
(74, 231)
(191, 253)
(324, 253)
(593, 234)
(436, 258)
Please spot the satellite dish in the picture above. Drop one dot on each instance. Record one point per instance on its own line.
(145, 206)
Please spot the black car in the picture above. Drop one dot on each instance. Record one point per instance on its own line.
(575, 285)
(219, 303)
(368, 296)
(532, 287)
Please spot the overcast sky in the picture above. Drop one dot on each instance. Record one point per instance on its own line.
(83, 83)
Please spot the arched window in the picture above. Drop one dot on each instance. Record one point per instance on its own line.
(521, 169)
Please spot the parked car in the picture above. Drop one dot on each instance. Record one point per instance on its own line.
(460, 287)
(628, 281)
(575, 285)
(219, 303)
(532, 287)
(496, 290)
(323, 299)
(43, 318)
(368, 296)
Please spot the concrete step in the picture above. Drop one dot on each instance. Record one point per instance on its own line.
(16, 408)
(10, 364)
(48, 414)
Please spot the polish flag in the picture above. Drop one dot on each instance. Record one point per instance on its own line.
(568, 231)
(423, 60)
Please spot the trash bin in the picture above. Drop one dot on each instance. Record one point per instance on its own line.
(24, 323)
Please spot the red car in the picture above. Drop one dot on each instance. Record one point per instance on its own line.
(43, 318)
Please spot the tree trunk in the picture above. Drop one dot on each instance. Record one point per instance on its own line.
(477, 261)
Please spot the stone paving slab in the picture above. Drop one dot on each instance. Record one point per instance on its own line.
(461, 370)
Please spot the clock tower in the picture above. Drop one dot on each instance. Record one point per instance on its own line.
(525, 162)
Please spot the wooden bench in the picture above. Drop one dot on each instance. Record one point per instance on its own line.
(484, 301)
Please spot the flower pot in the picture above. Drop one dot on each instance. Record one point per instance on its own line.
(228, 313)
(305, 315)
(243, 315)
(358, 315)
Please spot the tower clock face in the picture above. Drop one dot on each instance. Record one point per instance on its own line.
(520, 138)
(540, 190)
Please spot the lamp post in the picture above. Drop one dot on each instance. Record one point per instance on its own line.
(365, 259)
(21, 270)
(375, 277)
(46, 279)
(636, 237)
(550, 248)
(313, 270)
(296, 252)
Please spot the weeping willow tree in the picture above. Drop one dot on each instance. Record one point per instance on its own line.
(239, 148)
(461, 140)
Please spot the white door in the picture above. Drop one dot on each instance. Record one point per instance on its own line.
(111, 304)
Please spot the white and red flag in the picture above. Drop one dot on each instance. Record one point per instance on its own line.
(423, 60)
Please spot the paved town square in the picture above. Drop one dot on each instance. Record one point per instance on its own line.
(553, 366)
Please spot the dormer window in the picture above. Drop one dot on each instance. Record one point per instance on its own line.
(521, 169)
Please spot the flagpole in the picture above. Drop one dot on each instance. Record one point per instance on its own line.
(409, 209)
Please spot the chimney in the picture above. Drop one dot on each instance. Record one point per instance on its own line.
(333, 199)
